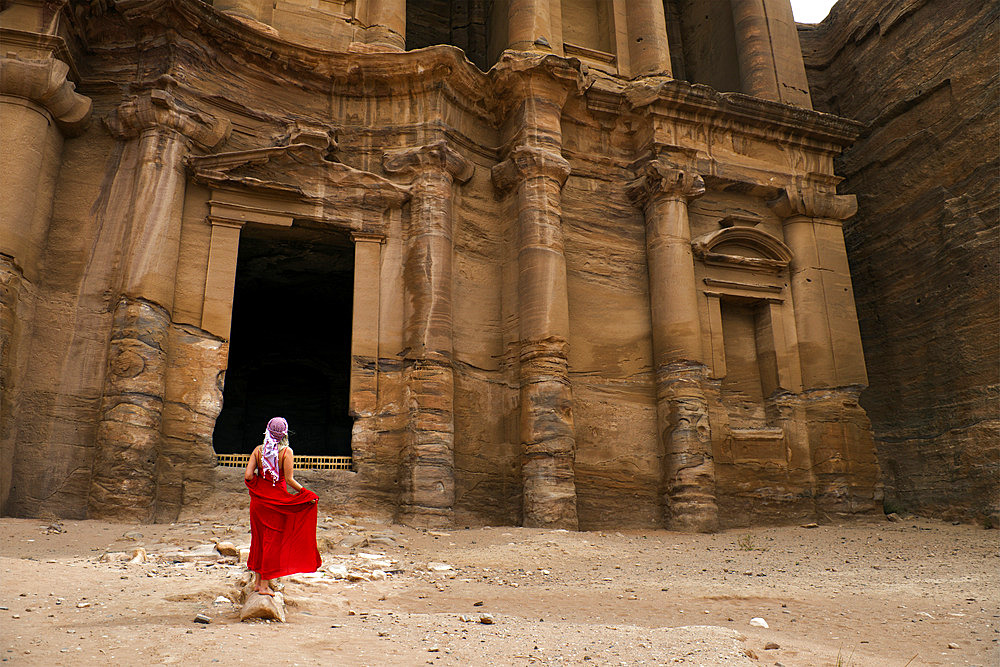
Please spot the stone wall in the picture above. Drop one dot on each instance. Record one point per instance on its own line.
(924, 245)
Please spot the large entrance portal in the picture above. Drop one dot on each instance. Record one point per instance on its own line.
(290, 346)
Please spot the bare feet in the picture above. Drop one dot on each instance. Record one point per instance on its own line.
(264, 591)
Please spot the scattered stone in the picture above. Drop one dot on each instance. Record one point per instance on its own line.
(133, 535)
(770, 646)
(438, 567)
(810, 525)
(477, 603)
(758, 622)
(893, 517)
(465, 618)
(113, 557)
(264, 607)
(54, 529)
(953, 645)
(353, 541)
(487, 619)
(202, 618)
(436, 533)
(337, 570)
(227, 549)
(138, 556)
(222, 599)
(82, 605)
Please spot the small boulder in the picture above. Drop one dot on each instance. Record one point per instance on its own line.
(138, 556)
(227, 549)
(264, 607)
(202, 618)
(893, 517)
(487, 619)
(758, 622)
(771, 646)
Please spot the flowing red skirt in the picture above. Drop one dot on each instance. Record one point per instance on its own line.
(282, 530)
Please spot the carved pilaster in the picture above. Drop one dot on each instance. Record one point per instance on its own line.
(429, 458)
(159, 131)
(663, 191)
(829, 341)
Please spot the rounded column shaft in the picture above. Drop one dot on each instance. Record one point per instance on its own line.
(649, 49)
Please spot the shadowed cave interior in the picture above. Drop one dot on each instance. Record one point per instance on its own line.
(290, 345)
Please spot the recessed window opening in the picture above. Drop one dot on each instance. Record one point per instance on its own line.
(290, 345)
(460, 23)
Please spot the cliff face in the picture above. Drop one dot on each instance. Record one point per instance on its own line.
(923, 247)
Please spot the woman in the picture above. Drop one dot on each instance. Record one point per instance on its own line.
(282, 525)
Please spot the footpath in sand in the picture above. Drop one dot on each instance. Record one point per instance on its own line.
(917, 592)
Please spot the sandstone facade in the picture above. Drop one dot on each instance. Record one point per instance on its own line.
(924, 244)
(607, 274)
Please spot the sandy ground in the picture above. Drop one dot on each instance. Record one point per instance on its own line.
(870, 593)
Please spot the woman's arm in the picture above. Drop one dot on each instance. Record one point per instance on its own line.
(287, 466)
(251, 466)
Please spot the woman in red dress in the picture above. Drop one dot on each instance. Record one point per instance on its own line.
(282, 524)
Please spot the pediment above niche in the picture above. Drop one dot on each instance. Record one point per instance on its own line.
(743, 247)
(296, 181)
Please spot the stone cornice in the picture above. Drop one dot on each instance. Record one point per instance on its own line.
(160, 109)
(434, 156)
(798, 200)
(526, 162)
(44, 83)
(671, 97)
(659, 180)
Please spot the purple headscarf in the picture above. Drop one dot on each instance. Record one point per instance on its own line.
(277, 430)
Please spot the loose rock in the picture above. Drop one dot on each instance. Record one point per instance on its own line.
(758, 622)
(264, 607)
(202, 618)
(227, 549)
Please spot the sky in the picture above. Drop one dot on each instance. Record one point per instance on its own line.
(811, 11)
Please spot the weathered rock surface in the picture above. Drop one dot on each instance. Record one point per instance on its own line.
(924, 244)
(263, 607)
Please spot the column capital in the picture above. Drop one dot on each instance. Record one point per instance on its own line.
(367, 237)
(159, 108)
(525, 162)
(800, 201)
(437, 156)
(657, 179)
(44, 83)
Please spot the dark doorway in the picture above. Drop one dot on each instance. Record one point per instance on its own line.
(290, 346)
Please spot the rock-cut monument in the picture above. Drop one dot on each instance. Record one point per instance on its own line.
(556, 263)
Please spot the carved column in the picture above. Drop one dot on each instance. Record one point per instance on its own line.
(529, 25)
(753, 48)
(386, 24)
(663, 192)
(428, 487)
(159, 131)
(38, 108)
(534, 172)
(649, 50)
(841, 445)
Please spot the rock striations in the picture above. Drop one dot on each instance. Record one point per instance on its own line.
(924, 244)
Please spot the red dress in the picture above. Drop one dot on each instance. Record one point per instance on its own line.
(282, 529)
